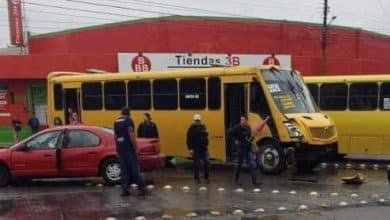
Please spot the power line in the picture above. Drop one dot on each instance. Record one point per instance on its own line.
(79, 9)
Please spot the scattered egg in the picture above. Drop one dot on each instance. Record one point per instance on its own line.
(192, 215)
(149, 187)
(203, 188)
(375, 166)
(343, 204)
(260, 210)
(239, 190)
(238, 212)
(134, 186)
(110, 218)
(324, 165)
(140, 218)
(275, 191)
(324, 205)
(282, 208)
(292, 192)
(354, 195)
(215, 213)
(382, 200)
(348, 165)
(220, 189)
(363, 202)
(167, 187)
(99, 185)
(362, 166)
(336, 165)
(314, 193)
(302, 207)
(334, 194)
(185, 188)
(166, 217)
(256, 190)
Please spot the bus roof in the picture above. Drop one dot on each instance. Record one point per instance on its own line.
(347, 78)
(203, 72)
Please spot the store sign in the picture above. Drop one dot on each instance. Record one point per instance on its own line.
(15, 22)
(3, 100)
(142, 62)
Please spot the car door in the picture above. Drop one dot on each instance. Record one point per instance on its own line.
(37, 157)
(80, 155)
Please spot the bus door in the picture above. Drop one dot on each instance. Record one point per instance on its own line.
(235, 106)
(71, 101)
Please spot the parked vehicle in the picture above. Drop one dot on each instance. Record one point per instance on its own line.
(72, 151)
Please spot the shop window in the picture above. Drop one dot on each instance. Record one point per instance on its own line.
(363, 96)
(114, 95)
(313, 88)
(214, 93)
(139, 94)
(193, 93)
(165, 94)
(92, 96)
(58, 102)
(333, 96)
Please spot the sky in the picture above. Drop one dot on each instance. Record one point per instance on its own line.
(44, 16)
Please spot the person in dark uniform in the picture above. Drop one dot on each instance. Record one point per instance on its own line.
(127, 149)
(241, 135)
(33, 122)
(16, 127)
(197, 143)
(147, 129)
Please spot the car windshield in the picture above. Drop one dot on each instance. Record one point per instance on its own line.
(288, 91)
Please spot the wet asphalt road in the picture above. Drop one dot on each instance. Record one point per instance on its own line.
(323, 194)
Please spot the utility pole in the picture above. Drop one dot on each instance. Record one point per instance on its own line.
(324, 37)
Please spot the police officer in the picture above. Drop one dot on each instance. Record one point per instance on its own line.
(197, 143)
(147, 128)
(127, 149)
(242, 138)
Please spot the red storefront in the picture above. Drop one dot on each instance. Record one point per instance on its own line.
(349, 50)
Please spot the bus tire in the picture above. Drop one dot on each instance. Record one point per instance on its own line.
(272, 158)
(5, 176)
(111, 171)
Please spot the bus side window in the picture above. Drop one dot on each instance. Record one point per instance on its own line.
(313, 88)
(258, 102)
(384, 100)
(114, 95)
(165, 94)
(363, 96)
(333, 96)
(193, 93)
(139, 94)
(58, 102)
(214, 93)
(92, 96)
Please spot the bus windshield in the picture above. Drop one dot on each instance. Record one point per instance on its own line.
(288, 91)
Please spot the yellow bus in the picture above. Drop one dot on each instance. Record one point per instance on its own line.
(359, 105)
(220, 94)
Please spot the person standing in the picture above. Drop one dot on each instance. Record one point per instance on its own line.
(33, 122)
(127, 150)
(197, 143)
(242, 138)
(147, 128)
(16, 127)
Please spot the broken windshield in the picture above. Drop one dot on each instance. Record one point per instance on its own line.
(288, 91)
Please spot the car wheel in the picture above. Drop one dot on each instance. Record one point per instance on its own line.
(111, 171)
(4, 176)
(272, 158)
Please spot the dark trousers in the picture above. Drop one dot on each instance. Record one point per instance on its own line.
(130, 171)
(198, 157)
(244, 154)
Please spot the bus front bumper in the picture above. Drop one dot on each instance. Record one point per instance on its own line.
(316, 152)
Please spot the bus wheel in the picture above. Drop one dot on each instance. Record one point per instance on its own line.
(272, 158)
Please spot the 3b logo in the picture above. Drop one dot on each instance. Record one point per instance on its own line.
(141, 63)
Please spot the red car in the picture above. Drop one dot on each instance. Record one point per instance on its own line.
(72, 151)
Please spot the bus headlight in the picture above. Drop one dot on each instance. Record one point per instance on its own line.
(293, 130)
